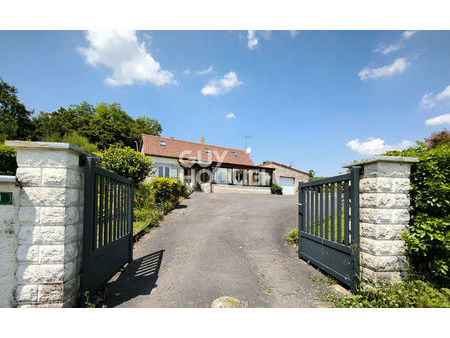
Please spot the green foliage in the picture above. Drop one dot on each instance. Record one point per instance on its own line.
(143, 195)
(126, 162)
(428, 237)
(312, 179)
(72, 138)
(412, 294)
(8, 163)
(437, 139)
(166, 189)
(276, 189)
(103, 125)
(185, 191)
(292, 238)
(147, 213)
(15, 121)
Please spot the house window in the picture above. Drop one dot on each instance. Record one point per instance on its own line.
(207, 151)
(165, 170)
(187, 175)
(221, 175)
(234, 154)
(162, 143)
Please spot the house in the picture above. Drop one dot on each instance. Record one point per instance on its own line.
(287, 177)
(206, 167)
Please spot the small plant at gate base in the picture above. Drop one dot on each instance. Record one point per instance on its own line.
(276, 189)
(292, 238)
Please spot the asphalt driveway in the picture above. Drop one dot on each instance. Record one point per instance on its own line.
(220, 245)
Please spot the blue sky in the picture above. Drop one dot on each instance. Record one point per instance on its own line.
(315, 99)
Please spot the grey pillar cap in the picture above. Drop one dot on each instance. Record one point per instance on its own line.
(385, 159)
(48, 146)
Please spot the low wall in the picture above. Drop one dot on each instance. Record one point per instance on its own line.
(239, 189)
(9, 229)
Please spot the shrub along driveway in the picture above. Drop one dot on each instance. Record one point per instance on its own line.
(220, 245)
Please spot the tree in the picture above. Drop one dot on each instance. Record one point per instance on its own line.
(145, 125)
(104, 125)
(126, 162)
(437, 139)
(15, 122)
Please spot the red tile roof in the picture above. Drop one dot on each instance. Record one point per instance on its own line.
(193, 151)
(284, 166)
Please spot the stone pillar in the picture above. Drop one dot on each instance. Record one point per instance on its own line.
(51, 223)
(384, 215)
(9, 228)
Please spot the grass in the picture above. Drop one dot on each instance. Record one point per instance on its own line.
(330, 227)
(411, 294)
(147, 218)
(292, 238)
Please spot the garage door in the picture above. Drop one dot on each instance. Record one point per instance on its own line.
(287, 183)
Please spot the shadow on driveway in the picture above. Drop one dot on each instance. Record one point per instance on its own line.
(138, 278)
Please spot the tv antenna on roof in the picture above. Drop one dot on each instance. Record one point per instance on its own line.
(246, 138)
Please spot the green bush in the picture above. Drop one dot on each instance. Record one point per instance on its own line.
(143, 195)
(126, 162)
(185, 191)
(292, 238)
(412, 294)
(8, 163)
(72, 138)
(427, 242)
(166, 189)
(276, 189)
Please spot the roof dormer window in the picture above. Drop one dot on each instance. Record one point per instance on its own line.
(234, 154)
(162, 143)
(207, 151)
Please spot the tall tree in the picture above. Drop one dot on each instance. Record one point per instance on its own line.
(15, 121)
(104, 125)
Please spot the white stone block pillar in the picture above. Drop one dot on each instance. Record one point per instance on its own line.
(384, 215)
(50, 223)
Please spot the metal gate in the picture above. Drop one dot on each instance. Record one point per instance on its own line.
(108, 226)
(329, 226)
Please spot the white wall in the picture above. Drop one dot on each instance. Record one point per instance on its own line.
(9, 228)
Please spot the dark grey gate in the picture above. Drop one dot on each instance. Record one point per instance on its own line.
(329, 226)
(108, 226)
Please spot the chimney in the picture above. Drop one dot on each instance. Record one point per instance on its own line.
(202, 141)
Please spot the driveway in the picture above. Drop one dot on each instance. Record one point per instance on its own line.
(220, 245)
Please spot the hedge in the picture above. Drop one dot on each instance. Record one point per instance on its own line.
(8, 164)
(428, 238)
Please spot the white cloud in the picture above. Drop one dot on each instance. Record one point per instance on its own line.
(429, 99)
(187, 71)
(441, 119)
(210, 69)
(376, 146)
(386, 50)
(407, 34)
(293, 34)
(253, 37)
(230, 116)
(252, 41)
(397, 67)
(128, 59)
(445, 94)
(221, 86)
